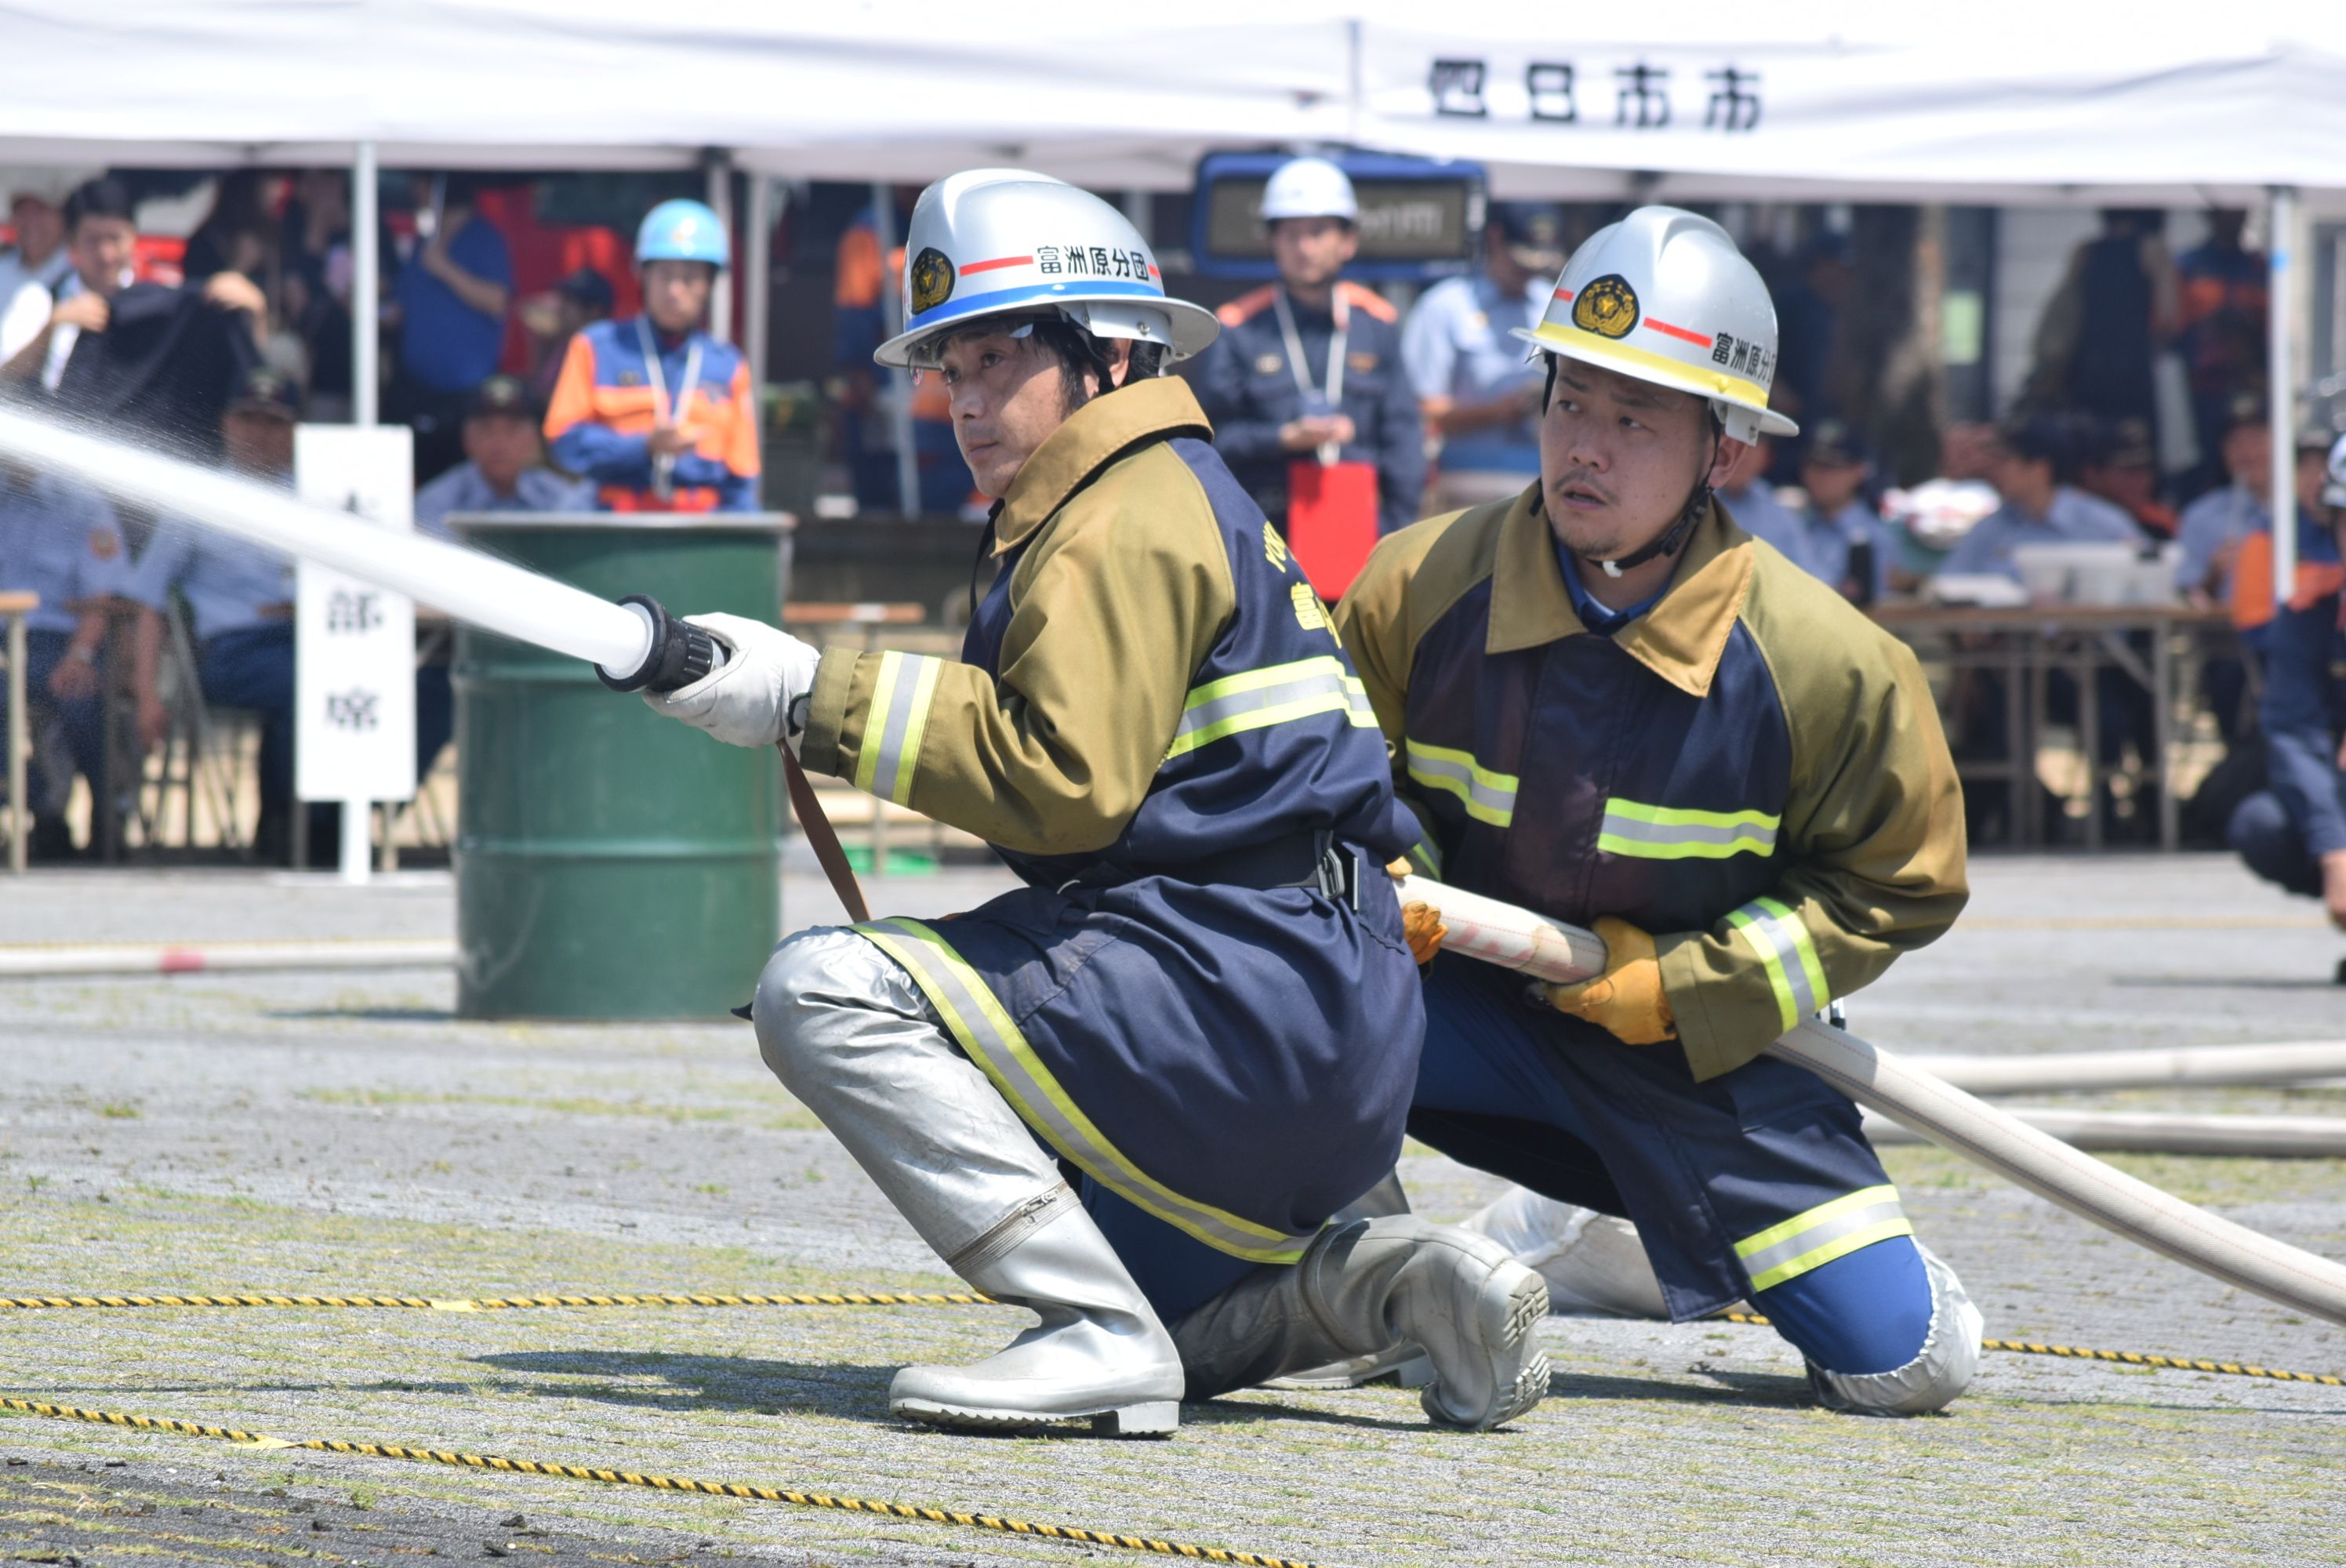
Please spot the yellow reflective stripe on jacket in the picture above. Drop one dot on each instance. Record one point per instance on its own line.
(1827, 1231)
(906, 685)
(1001, 1050)
(1679, 833)
(1794, 970)
(1276, 694)
(1488, 796)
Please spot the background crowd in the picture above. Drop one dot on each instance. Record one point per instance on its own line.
(546, 363)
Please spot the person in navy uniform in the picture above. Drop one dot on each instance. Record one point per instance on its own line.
(1310, 365)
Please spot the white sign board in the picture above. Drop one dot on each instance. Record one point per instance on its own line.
(354, 642)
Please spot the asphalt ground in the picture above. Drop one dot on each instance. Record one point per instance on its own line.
(339, 1133)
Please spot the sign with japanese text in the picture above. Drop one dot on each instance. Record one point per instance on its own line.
(354, 642)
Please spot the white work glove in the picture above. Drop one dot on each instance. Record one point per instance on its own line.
(757, 696)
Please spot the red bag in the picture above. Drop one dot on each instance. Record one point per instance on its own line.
(1331, 522)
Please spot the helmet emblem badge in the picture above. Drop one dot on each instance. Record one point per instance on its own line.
(933, 279)
(1607, 306)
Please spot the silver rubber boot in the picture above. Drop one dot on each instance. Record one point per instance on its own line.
(848, 1031)
(1402, 1365)
(1938, 1374)
(1099, 1351)
(1362, 1286)
(1594, 1265)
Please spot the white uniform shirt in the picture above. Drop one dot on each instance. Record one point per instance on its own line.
(27, 294)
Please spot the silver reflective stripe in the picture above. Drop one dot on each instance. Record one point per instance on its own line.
(1256, 699)
(1794, 972)
(1490, 797)
(891, 753)
(1001, 1050)
(1685, 839)
(1830, 1231)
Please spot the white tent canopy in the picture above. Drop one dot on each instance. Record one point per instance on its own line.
(1969, 112)
(1826, 99)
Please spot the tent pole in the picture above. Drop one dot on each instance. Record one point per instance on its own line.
(721, 201)
(366, 270)
(757, 275)
(899, 382)
(366, 264)
(2280, 399)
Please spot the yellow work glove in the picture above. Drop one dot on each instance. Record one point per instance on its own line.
(1627, 998)
(1421, 925)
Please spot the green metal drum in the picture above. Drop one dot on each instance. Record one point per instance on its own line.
(611, 863)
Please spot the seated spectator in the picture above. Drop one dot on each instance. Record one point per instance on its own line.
(1851, 545)
(2217, 525)
(576, 303)
(2035, 463)
(451, 300)
(62, 542)
(240, 599)
(1478, 390)
(1751, 500)
(36, 267)
(2122, 468)
(2293, 833)
(505, 465)
(159, 360)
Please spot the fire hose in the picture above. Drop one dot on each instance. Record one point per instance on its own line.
(1544, 949)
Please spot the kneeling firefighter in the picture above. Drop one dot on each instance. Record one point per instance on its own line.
(1609, 703)
(1191, 1002)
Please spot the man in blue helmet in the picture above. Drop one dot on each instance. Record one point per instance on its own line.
(658, 414)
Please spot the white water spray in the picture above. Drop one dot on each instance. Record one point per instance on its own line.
(466, 583)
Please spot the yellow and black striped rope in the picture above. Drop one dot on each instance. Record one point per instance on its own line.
(507, 1303)
(2127, 1358)
(2179, 1363)
(1074, 1533)
(936, 1299)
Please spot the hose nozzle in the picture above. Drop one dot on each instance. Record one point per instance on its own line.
(676, 655)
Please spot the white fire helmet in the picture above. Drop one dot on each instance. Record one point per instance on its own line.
(1005, 242)
(1308, 188)
(1664, 296)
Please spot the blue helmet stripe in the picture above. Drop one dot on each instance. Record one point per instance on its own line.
(1032, 293)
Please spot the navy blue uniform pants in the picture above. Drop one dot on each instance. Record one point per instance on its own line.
(84, 720)
(1730, 1182)
(252, 668)
(2263, 835)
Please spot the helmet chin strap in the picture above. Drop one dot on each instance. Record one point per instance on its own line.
(1674, 537)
